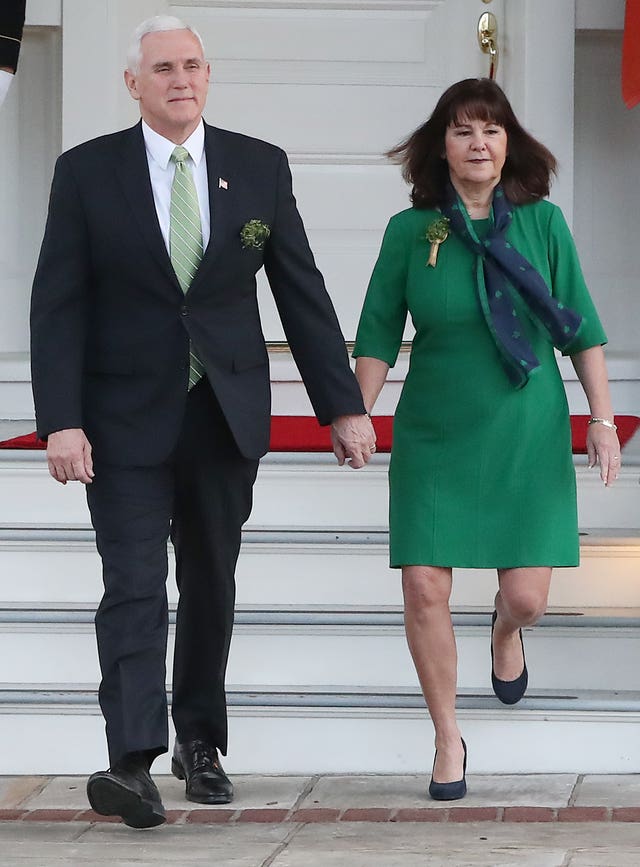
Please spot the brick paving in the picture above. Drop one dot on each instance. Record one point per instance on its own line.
(536, 820)
(354, 814)
(343, 800)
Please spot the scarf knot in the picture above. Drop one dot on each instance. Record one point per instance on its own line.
(501, 272)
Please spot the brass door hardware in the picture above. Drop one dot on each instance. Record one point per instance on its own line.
(488, 40)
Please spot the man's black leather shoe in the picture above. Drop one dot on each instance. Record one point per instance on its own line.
(127, 790)
(198, 764)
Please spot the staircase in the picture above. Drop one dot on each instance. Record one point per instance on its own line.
(320, 679)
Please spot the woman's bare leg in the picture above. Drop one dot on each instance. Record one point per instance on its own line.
(432, 644)
(520, 601)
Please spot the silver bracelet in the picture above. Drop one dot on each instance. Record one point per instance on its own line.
(604, 421)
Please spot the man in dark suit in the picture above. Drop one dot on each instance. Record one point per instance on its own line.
(11, 25)
(151, 383)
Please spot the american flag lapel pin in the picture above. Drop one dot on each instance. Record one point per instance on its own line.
(222, 184)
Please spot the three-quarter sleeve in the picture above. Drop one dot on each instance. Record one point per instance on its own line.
(384, 312)
(569, 285)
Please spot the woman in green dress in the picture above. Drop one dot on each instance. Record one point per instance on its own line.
(481, 471)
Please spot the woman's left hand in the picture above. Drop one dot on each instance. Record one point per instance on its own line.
(603, 448)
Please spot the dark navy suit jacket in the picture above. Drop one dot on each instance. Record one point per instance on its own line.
(111, 327)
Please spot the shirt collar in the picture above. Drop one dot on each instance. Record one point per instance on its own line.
(160, 148)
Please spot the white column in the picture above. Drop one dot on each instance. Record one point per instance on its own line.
(29, 142)
(538, 76)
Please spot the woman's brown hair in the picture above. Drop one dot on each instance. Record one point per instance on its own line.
(526, 176)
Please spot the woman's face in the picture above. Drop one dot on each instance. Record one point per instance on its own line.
(475, 151)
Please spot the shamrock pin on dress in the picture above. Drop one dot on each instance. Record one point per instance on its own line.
(437, 232)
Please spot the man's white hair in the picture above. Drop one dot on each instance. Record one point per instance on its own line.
(156, 24)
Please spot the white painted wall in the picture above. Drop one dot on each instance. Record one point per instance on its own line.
(607, 187)
(336, 83)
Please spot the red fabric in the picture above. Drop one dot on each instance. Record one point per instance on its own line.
(300, 433)
(28, 441)
(631, 54)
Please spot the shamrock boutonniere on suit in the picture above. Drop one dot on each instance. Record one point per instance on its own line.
(254, 234)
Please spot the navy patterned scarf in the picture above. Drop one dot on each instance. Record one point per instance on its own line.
(500, 272)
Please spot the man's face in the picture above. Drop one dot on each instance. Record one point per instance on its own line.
(171, 84)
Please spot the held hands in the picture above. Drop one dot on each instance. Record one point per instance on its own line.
(603, 448)
(353, 439)
(69, 456)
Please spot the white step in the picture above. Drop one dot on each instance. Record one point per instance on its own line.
(59, 647)
(293, 492)
(44, 566)
(319, 661)
(64, 734)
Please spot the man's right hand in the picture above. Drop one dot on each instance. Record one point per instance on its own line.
(69, 456)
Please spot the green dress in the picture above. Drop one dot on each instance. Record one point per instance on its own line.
(481, 473)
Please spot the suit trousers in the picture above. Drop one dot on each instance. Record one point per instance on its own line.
(200, 498)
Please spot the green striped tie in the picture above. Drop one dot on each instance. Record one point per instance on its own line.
(185, 237)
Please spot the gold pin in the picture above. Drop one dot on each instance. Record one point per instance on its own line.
(437, 232)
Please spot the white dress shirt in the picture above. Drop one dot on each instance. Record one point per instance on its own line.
(162, 170)
(5, 82)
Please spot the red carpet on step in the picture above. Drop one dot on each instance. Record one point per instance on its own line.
(300, 433)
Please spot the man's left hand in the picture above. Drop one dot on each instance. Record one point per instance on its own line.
(353, 439)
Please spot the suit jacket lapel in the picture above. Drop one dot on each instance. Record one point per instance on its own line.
(133, 170)
(219, 200)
